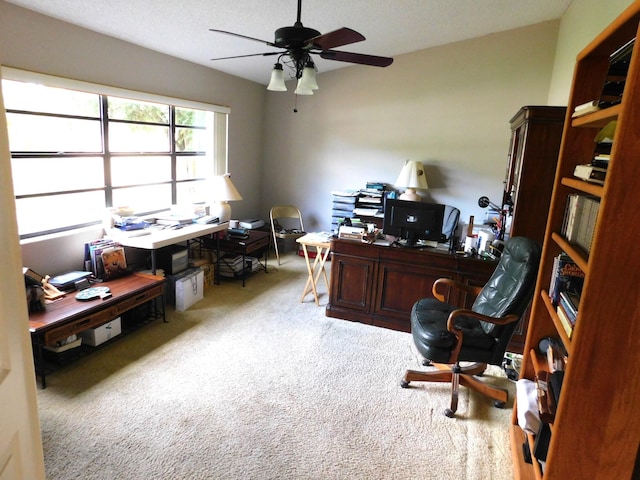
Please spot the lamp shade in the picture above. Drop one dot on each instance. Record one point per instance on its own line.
(412, 177)
(277, 79)
(308, 79)
(223, 191)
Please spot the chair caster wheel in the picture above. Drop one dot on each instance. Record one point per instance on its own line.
(426, 363)
(449, 413)
(498, 404)
(404, 384)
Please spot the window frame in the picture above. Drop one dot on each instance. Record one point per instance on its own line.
(219, 151)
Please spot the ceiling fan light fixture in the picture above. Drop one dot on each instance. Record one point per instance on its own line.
(308, 78)
(300, 90)
(277, 79)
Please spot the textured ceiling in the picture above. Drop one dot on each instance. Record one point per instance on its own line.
(391, 27)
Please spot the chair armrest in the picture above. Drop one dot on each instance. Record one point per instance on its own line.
(447, 282)
(451, 326)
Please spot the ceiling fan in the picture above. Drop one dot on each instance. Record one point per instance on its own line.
(297, 43)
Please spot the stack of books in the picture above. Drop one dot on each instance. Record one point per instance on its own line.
(231, 265)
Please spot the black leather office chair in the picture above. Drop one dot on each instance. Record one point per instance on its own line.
(446, 335)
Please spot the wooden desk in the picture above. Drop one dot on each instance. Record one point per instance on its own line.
(152, 239)
(68, 316)
(323, 246)
(378, 285)
(258, 240)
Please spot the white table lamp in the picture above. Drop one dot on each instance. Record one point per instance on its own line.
(223, 192)
(411, 177)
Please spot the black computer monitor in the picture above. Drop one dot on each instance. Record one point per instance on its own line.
(414, 223)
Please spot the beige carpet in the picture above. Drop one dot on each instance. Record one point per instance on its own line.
(252, 384)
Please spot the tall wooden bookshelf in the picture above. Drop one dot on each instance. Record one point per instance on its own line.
(595, 433)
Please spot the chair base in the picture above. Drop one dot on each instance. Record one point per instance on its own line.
(458, 375)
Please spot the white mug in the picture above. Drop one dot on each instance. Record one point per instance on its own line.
(234, 223)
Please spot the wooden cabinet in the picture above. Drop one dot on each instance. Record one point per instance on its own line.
(595, 432)
(536, 132)
(531, 167)
(378, 285)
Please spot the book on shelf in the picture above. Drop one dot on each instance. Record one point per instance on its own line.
(579, 222)
(590, 173)
(566, 276)
(564, 320)
(570, 302)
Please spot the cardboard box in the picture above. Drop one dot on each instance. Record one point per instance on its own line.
(208, 270)
(99, 335)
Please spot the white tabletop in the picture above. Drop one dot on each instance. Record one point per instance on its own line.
(154, 238)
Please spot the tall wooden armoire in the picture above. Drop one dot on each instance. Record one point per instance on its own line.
(536, 132)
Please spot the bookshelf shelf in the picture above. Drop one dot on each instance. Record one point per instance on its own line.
(566, 341)
(597, 119)
(596, 428)
(582, 186)
(576, 254)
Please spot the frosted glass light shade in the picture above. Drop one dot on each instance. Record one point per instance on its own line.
(302, 91)
(277, 79)
(308, 79)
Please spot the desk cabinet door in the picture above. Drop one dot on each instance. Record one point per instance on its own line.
(401, 286)
(352, 282)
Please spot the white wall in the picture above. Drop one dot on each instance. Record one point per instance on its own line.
(35, 42)
(448, 107)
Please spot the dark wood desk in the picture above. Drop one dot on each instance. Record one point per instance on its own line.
(68, 316)
(378, 285)
(257, 241)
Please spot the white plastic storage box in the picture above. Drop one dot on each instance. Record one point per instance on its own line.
(186, 288)
(99, 335)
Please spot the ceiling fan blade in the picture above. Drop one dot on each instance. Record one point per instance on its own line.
(361, 58)
(266, 54)
(271, 44)
(337, 38)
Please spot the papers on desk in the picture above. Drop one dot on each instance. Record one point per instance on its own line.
(316, 237)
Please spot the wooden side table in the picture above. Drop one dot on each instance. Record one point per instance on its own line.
(321, 242)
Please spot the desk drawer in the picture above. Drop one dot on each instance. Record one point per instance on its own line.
(80, 324)
(139, 299)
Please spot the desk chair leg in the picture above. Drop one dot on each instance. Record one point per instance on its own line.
(458, 375)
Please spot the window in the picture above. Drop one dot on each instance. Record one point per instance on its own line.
(78, 149)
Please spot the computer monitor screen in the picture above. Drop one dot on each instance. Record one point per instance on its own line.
(414, 223)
